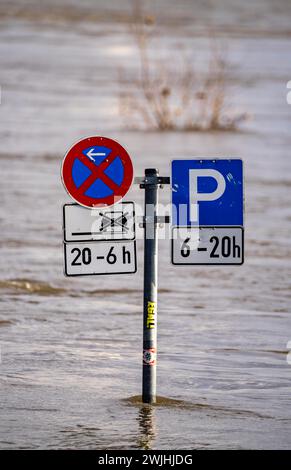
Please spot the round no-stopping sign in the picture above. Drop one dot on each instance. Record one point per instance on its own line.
(97, 171)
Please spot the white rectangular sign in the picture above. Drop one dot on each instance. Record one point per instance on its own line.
(83, 259)
(111, 223)
(207, 245)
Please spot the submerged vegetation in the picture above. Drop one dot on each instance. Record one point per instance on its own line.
(170, 94)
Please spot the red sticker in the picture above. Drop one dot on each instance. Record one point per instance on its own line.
(149, 356)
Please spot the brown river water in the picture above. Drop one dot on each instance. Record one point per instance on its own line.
(70, 372)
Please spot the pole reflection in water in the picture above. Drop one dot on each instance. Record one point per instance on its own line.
(147, 426)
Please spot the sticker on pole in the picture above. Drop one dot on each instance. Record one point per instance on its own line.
(112, 223)
(97, 172)
(149, 356)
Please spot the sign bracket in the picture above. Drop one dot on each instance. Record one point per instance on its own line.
(150, 179)
(159, 219)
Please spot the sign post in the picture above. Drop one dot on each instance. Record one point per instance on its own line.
(149, 379)
(207, 223)
(150, 183)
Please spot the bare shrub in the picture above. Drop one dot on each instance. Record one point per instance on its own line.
(165, 97)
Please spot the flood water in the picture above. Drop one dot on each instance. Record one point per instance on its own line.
(70, 372)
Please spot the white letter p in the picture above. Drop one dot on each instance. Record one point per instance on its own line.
(194, 196)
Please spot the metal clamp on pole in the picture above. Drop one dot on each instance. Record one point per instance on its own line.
(150, 179)
(159, 219)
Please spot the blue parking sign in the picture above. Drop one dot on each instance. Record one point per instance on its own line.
(207, 192)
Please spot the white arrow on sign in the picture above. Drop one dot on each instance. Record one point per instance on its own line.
(91, 154)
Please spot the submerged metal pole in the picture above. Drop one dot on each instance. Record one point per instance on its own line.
(151, 185)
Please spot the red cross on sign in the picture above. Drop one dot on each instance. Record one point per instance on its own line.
(97, 171)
